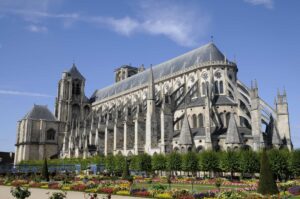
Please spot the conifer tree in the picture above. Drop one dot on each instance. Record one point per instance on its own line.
(267, 184)
(45, 172)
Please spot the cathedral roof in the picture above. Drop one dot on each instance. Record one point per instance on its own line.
(206, 53)
(185, 137)
(233, 136)
(75, 73)
(39, 112)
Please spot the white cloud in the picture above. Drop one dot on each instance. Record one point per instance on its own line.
(182, 23)
(37, 29)
(267, 3)
(20, 93)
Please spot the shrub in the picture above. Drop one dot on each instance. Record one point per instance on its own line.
(20, 193)
(58, 195)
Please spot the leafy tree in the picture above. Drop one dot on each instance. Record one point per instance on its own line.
(159, 162)
(267, 184)
(209, 161)
(294, 163)
(45, 172)
(230, 162)
(144, 163)
(190, 162)
(279, 163)
(134, 163)
(110, 164)
(174, 162)
(249, 162)
(119, 162)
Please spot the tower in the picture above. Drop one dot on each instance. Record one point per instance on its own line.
(151, 120)
(283, 123)
(71, 102)
(258, 141)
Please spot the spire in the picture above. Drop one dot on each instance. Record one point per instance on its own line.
(233, 136)
(151, 94)
(185, 137)
(284, 92)
(255, 84)
(75, 73)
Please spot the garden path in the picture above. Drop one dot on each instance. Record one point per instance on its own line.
(42, 194)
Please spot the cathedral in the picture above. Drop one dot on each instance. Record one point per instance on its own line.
(192, 102)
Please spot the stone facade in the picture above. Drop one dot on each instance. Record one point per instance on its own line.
(192, 102)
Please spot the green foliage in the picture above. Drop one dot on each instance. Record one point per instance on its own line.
(279, 163)
(58, 195)
(158, 162)
(267, 184)
(144, 162)
(209, 161)
(45, 172)
(174, 161)
(109, 164)
(190, 162)
(119, 164)
(294, 162)
(20, 192)
(229, 162)
(249, 162)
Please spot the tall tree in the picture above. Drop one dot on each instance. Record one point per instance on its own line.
(174, 162)
(144, 163)
(209, 161)
(110, 164)
(230, 162)
(190, 162)
(249, 162)
(159, 162)
(294, 163)
(119, 162)
(267, 184)
(279, 163)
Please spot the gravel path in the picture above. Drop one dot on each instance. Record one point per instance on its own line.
(42, 194)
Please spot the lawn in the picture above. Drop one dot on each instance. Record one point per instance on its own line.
(197, 187)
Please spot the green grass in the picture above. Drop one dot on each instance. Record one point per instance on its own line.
(295, 197)
(197, 187)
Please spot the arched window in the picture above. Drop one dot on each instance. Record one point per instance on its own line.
(194, 118)
(203, 89)
(76, 87)
(201, 120)
(50, 134)
(216, 87)
(199, 149)
(75, 111)
(227, 119)
(222, 119)
(221, 87)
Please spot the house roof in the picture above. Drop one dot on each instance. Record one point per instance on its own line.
(75, 73)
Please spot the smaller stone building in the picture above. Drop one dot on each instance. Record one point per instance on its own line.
(38, 135)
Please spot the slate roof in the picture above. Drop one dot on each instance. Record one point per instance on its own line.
(75, 73)
(185, 137)
(39, 112)
(232, 135)
(206, 53)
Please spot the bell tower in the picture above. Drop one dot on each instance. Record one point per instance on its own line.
(71, 102)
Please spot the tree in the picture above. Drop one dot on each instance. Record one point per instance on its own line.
(144, 163)
(279, 163)
(158, 162)
(230, 162)
(190, 162)
(267, 184)
(249, 162)
(110, 164)
(45, 172)
(209, 161)
(119, 164)
(294, 163)
(174, 162)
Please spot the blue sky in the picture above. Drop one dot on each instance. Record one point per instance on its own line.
(40, 39)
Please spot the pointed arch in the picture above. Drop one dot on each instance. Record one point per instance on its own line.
(201, 120)
(194, 121)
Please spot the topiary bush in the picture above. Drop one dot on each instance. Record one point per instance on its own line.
(20, 192)
(267, 184)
